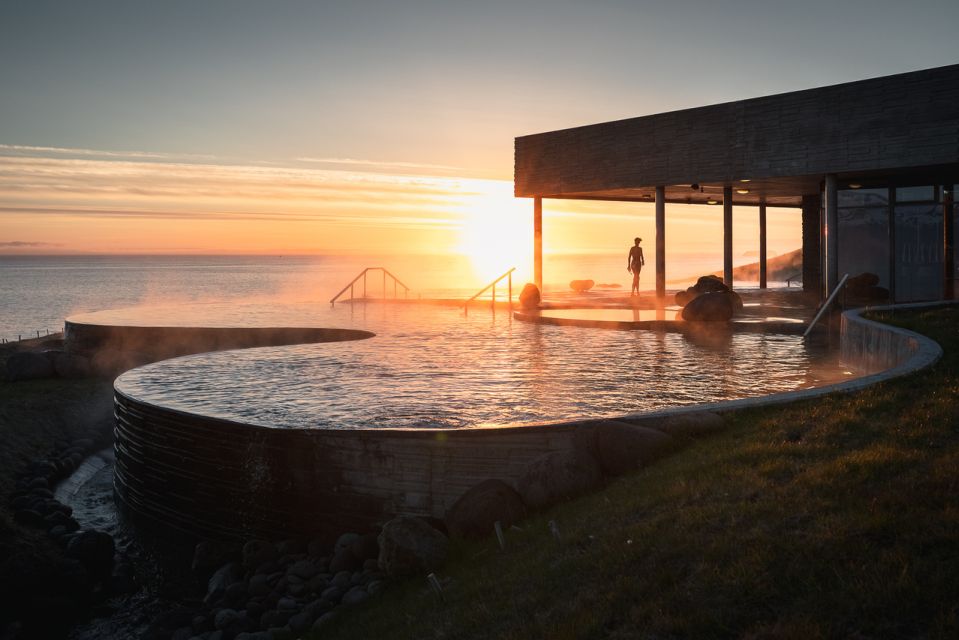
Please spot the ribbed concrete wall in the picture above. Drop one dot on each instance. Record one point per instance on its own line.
(900, 121)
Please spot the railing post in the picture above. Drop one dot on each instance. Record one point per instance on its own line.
(384, 284)
(394, 288)
(494, 296)
(351, 293)
(511, 288)
(364, 284)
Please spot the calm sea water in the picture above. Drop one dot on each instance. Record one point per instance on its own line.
(38, 292)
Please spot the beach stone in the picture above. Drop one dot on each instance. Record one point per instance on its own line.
(291, 547)
(345, 541)
(709, 307)
(557, 476)
(275, 618)
(286, 604)
(341, 579)
(366, 547)
(303, 569)
(344, 560)
(410, 545)
(259, 585)
(324, 620)
(281, 633)
(300, 622)
(375, 587)
(221, 579)
(207, 556)
(623, 447)
(29, 365)
(332, 593)
(581, 285)
(356, 595)
(258, 552)
(529, 297)
(474, 514)
(225, 618)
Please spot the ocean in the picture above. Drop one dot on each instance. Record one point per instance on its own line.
(38, 292)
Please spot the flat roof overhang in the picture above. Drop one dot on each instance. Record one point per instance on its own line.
(900, 126)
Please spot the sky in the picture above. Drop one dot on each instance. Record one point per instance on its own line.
(350, 127)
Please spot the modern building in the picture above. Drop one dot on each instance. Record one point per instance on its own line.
(871, 166)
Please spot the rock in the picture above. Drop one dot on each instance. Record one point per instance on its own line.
(68, 365)
(275, 618)
(345, 541)
(529, 297)
(236, 594)
(287, 604)
(344, 560)
(300, 622)
(225, 618)
(316, 549)
(259, 585)
(557, 476)
(303, 569)
(709, 307)
(623, 447)
(332, 594)
(207, 556)
(220, 580)
(94, 550)
(683, 297)
(324, 620)
(581, 285)
(29, 365)
(258, 552)
(30, 517)
(366, 547)
(356, 595)
(341, 579)
(476, 511)
(291, 547)
(410, 545)
(375, 587)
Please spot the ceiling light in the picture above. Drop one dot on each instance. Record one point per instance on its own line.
(745, 180)
(854, 185)
(743, 191)
(711, 201)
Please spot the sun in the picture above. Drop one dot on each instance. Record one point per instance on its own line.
(496, 232)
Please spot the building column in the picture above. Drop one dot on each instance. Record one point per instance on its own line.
(728, 236)
(538, 243)
(660, 241)
(948, 244)
(831, 231)
(762, 243)
(811, 245)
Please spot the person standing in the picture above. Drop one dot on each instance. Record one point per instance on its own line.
(634, 264)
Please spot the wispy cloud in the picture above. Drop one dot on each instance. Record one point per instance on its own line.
(380, 163)
(19, 149)
(20, 244)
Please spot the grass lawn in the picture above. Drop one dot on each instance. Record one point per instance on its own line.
(836, 517)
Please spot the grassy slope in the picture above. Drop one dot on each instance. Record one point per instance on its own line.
(830, 518)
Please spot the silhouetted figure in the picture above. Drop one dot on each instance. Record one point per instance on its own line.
(634, 264)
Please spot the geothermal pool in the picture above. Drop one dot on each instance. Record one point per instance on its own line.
(432, 367)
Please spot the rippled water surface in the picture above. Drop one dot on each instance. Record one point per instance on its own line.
(434, 367)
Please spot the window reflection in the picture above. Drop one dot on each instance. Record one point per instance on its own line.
(918, 252)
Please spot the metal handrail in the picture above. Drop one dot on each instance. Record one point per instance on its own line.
(508, 274)
(822, 309)
(396, 281)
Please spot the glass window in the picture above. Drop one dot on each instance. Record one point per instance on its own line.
(918, 252)
(916, 194)
(864, 242)
(863, 197)
(955, 237)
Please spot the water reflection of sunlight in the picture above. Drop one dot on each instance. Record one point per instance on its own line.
(497, 231)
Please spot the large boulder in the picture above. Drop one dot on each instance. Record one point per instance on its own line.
(476, 512)
(557, 476)
(709, 307)
(705, 284)
(410, 545)
(581, 285)
(29, 365)
(529, 297)
(623, 447)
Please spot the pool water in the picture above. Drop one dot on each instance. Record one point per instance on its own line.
(434, 367)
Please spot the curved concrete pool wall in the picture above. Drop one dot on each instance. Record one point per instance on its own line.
(215, 478)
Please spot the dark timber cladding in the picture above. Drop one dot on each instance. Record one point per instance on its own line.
(778, 151)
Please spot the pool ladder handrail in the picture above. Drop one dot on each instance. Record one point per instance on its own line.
(826, 304)
(362, 274)
(508, 275)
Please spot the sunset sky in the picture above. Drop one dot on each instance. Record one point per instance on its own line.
(358, 127)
